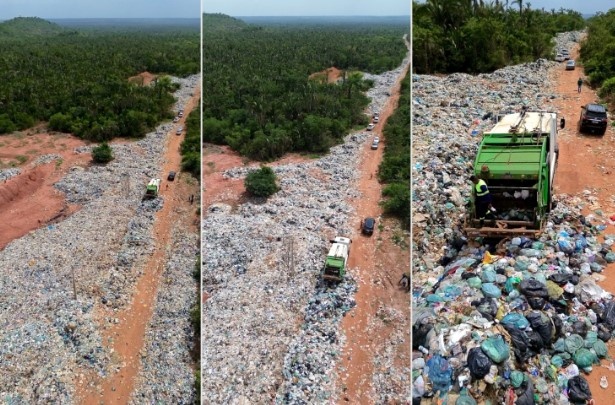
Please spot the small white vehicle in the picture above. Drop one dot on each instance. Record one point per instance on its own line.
(370, 127)
(559, 57)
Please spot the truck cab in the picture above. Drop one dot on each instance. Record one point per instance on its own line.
(517, 159)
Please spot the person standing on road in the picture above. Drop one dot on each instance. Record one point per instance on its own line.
(579, 84)
(483, 198)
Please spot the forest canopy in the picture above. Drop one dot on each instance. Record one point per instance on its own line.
(260, 99)
(78, 80)
(477, 37)
(598, 54)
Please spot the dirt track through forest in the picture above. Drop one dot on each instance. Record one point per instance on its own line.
(128, 334)
(587, 162)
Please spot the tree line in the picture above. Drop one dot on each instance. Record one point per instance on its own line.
(598, 54)
(259, 99)
(474, 36)
(79, 82)
(394, 170)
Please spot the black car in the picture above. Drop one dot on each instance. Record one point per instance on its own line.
(171, 176)
(367, 227)
(593, 119)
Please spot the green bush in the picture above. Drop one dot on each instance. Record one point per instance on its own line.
(607, 91)
(262, 182)
(60, 122)
(6, 125)
(195, 318)
(102, 153)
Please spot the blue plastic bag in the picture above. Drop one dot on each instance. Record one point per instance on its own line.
(440, 373)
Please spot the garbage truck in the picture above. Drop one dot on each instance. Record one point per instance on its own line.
(335, 263)
(517, 159)
(152, 189)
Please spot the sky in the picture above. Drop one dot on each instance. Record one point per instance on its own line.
(100, 9)
(582, 6)
(245, 8)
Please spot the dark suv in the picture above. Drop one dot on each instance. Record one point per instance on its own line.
(593, 119)
(367, 227)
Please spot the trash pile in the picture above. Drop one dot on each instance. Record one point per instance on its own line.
(270, 333)
(522, 324)
(46, 335)
(166, 374)
(6, 174)
(515, 321)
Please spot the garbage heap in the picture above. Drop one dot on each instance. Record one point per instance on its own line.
(518, 322)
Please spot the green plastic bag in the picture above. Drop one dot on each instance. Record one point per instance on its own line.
(590, 338)
(573, 343)
(465, 399)
(600, 349)
(584, 358)
(496, 349)
(517, 378)
(557, 361)
(474, 282)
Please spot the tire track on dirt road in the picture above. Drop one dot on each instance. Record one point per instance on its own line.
(380, 264)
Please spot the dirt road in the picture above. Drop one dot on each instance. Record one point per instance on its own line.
(380, 264)
(586, 162)
(128, 334)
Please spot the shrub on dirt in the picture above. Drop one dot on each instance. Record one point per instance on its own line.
(60, 122)
(607, 91)
(261, 183)
(6, 125)
(102, 153)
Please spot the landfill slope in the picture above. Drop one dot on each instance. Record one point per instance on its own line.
(271, 331)
(48, 339)
(521, 321)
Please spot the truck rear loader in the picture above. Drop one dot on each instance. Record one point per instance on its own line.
(335, 263)
(517, 159)
(152, 189)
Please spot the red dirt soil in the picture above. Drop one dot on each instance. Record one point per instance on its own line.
(380, 264)
(143, 79)
(29, 200)
(128, 335)
(587, 162)
(331, 74)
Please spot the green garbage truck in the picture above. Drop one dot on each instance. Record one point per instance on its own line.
(152, 189)
(335, 263)
(517, 159)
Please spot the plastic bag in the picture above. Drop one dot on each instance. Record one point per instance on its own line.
(541, 323)
(419, 335)
(573, 343)
(440, 373)
(478, 363)
(491, 290)
(554, 290)
(517, 378)
(533, 288)
(525, 393)
(496, 349)
(465, 399)
(515, 319)
(536, 302)
(609, 257)
(487, 276)
(487, 307)
(565, 246)
(584, 358)
(578, 389)
(474, 282)
(600, 349)
(520, 343)
(557, 361)
(608, 315)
